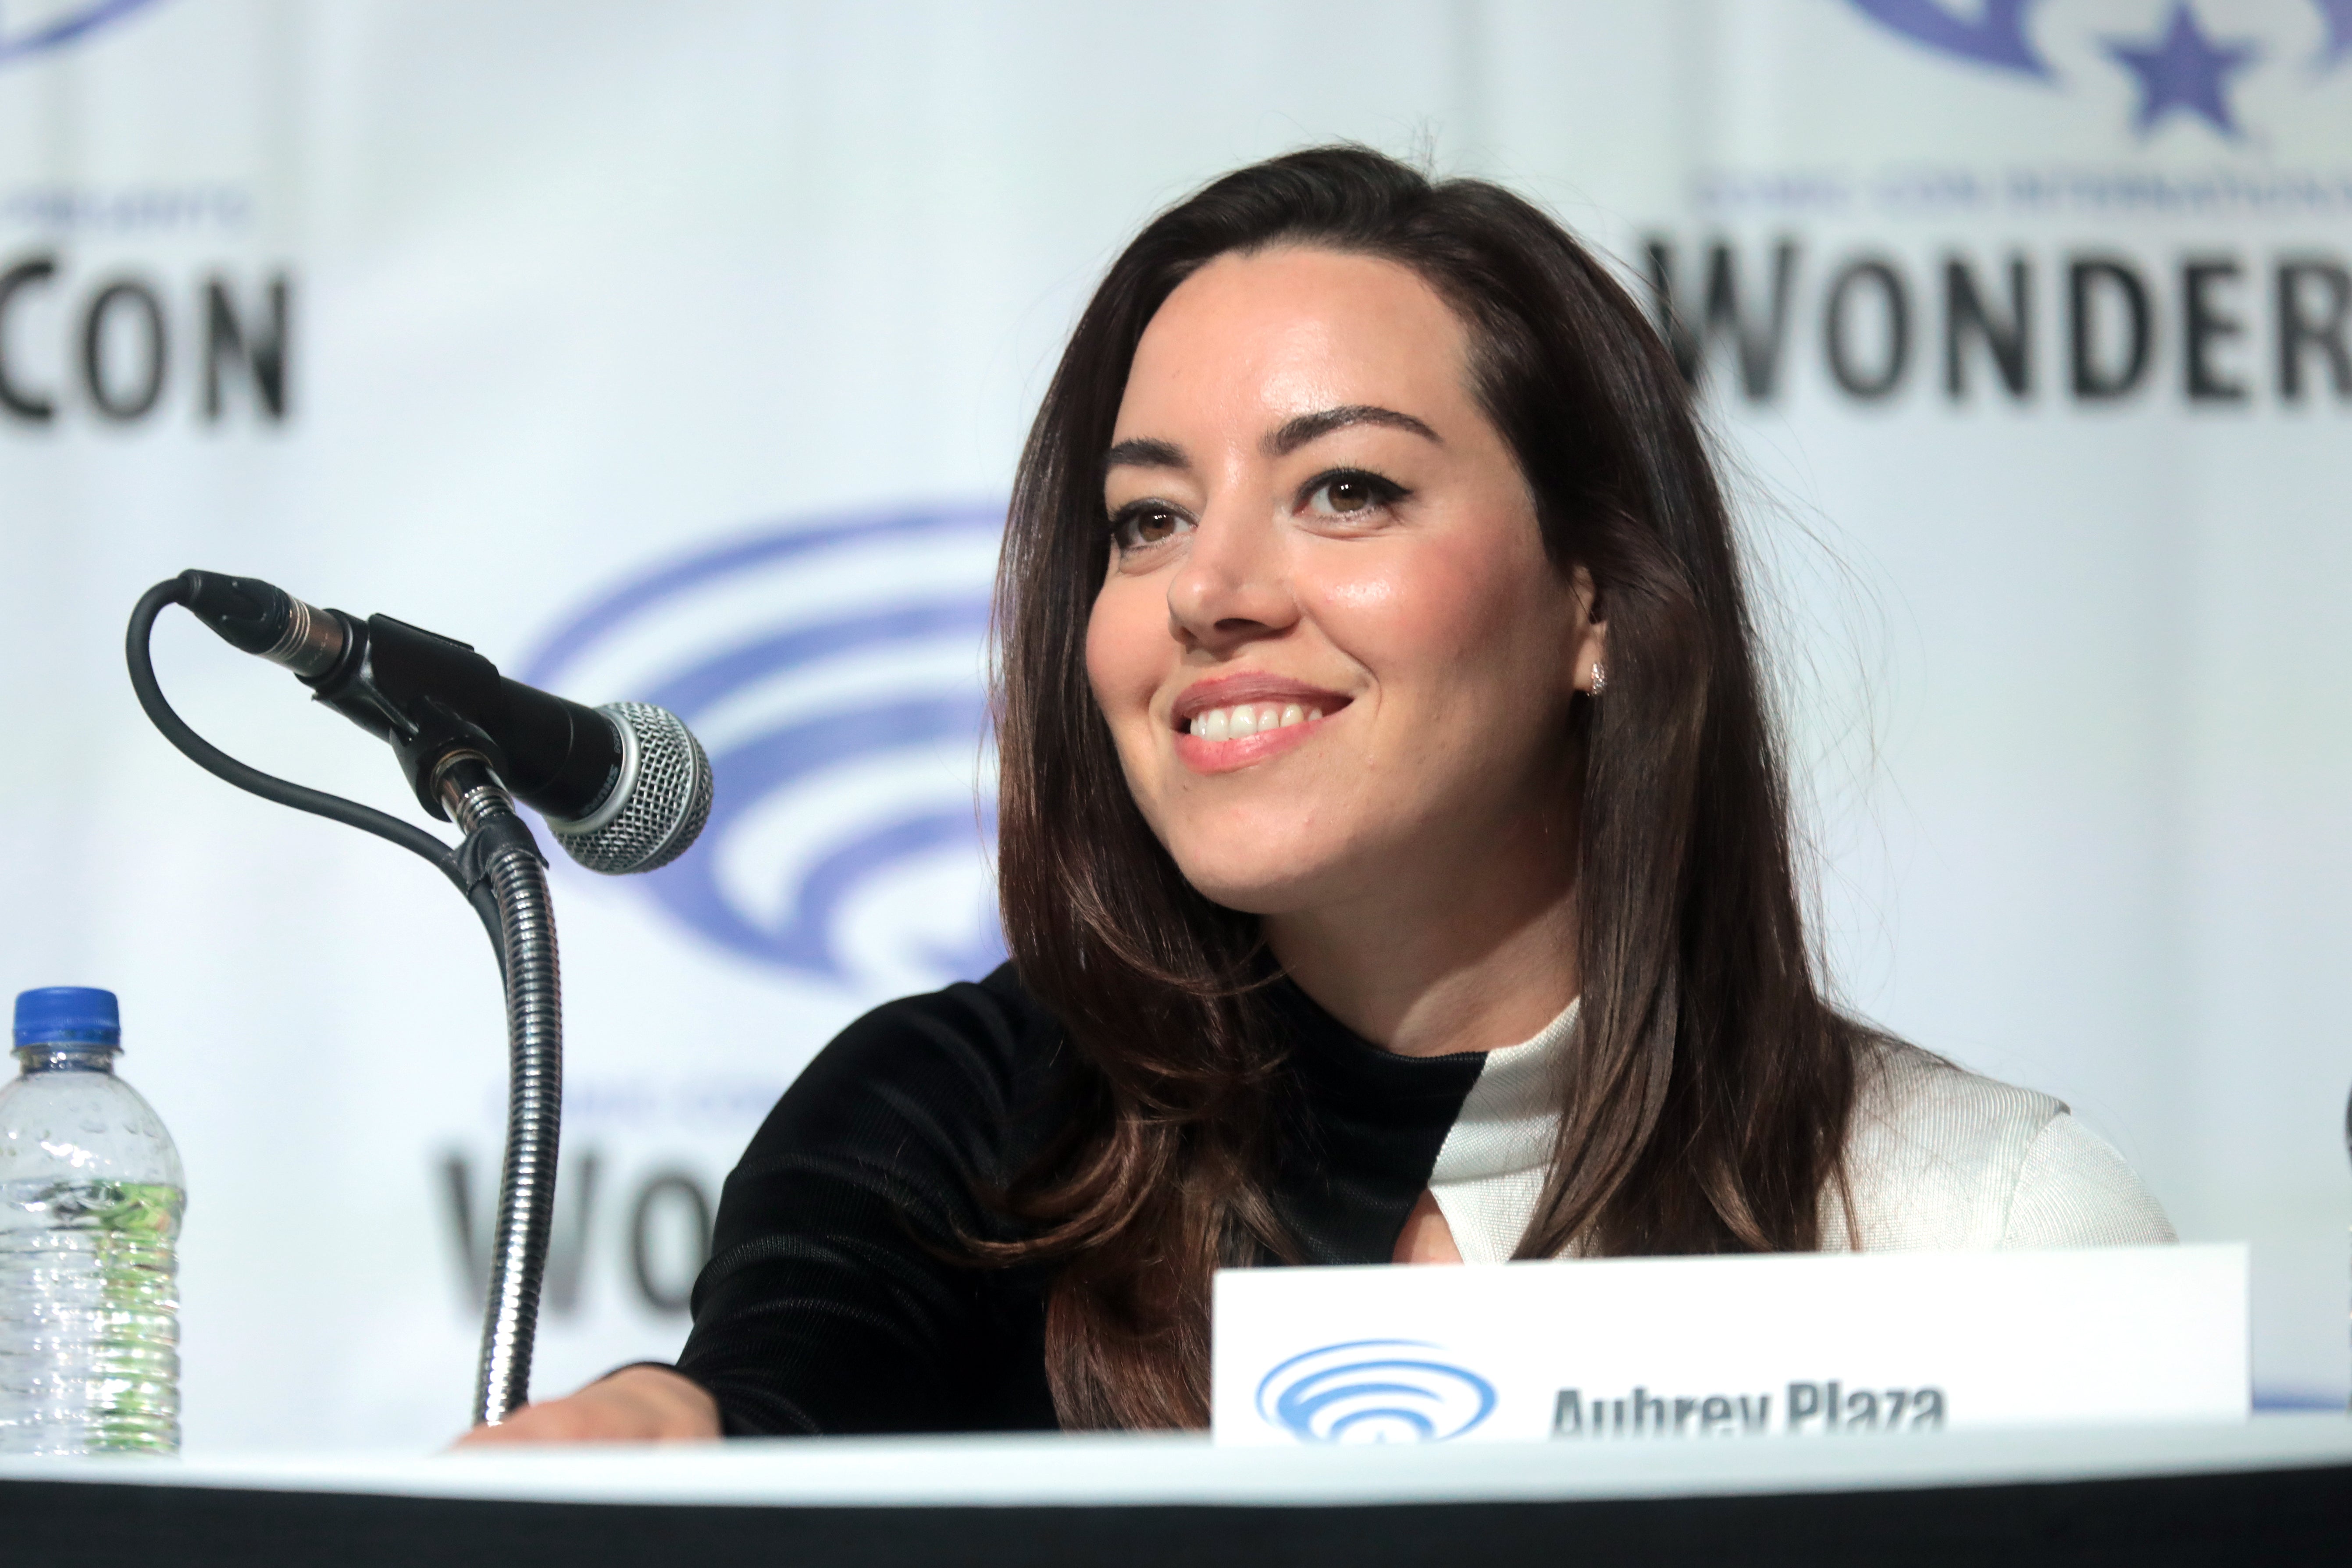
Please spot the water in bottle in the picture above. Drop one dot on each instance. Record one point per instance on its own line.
(90, 1195)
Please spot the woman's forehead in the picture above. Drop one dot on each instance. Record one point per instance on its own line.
(1271, 334)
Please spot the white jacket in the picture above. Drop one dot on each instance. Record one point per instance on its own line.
(1936, 1158)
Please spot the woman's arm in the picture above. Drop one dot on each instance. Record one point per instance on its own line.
(840, 1295)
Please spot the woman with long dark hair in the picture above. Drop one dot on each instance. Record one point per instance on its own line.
(1395, 865)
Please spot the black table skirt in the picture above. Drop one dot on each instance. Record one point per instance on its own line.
(2299, 1516)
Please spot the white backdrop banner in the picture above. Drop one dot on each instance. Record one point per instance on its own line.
(683, 353)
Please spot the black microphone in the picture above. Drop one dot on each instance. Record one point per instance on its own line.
(624, 787)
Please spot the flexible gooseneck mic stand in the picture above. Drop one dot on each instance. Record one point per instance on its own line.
(500, 854)
(500, 871)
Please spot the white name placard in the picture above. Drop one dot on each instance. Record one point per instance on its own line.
(1811, 1345)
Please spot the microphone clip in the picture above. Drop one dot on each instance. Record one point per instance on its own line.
(413, 690)
(494, 834)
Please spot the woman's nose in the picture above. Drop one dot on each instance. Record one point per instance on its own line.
(1234, 585)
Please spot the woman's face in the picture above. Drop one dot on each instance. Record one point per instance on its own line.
(1333, 654)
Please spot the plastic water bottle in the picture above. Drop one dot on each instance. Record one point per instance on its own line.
(90, 1196)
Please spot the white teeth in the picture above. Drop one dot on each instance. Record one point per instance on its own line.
(1240, 724)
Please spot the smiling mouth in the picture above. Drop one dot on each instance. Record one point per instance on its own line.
(1243, 719)
(1251, 706)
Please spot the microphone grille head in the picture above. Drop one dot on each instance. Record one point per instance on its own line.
(658, 805)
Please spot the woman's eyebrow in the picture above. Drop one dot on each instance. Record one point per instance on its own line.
(1142, 452)
(1298, 432)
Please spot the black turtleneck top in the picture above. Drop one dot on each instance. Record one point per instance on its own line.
(840, 1297)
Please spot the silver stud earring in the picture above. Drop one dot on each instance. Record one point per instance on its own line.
(1600, 677)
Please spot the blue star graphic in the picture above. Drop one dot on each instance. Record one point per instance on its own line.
(2184, 69)
(2338, 14)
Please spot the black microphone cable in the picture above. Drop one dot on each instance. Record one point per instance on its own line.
(503, 874)
(284, 792)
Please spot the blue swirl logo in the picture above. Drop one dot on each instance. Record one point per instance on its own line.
(2179, 65)
(836, 672)
(1374, 1391)
(54, 26)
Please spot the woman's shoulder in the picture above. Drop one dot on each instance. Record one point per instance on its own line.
(991, 1023)
(970, 1056)
(1939, 1157)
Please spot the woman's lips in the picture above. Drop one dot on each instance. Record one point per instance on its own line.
(1231, 723)
(1203, 755)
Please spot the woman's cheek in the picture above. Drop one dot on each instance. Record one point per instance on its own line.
(1127, 645)
(1364, 595)
(1407, 608)
(1357, 615)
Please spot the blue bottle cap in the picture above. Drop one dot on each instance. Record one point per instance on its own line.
(59, 1012)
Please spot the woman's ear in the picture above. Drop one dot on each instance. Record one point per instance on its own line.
(1589, 654)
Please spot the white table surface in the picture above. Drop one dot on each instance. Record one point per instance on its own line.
(1132, 1470)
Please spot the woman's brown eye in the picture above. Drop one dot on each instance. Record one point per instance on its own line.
(1350, 495)
(1145, 526)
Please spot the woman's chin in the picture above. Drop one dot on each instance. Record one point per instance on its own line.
(1260, 889)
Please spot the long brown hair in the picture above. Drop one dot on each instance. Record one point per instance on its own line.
(1705, 1101)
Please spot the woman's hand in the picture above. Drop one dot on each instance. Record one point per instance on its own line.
(634, 1404)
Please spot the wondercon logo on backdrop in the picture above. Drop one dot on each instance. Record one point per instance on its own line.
(835, 671)
(2178, 64)
(31, 27)
(1374, 1391)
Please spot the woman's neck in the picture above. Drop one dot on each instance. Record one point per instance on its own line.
(1480, 957)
